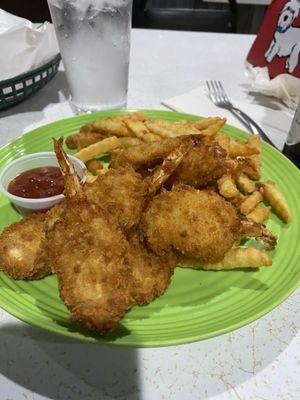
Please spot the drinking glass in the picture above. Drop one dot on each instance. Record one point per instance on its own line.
(94, 41)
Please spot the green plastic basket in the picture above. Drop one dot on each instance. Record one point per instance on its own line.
(17, 89)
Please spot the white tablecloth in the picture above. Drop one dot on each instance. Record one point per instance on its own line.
(258, 361)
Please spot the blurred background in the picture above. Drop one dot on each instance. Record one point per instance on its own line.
(236, 16)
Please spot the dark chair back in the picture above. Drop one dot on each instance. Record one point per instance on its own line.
(198, 18)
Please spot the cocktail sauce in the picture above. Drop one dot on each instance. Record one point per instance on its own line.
(37, 183)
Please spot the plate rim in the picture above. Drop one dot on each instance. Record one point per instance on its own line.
(164, 342)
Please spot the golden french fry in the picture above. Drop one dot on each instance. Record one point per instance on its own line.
(245, 184)
(158, 128)
(259, 214)
(91, 178)
(135, 116)
(227, 187)
(95, 149)
(251, 257)
(214, 128)
(250, 203)
(276, 200)
(255, 142)
(237, 200)
(94, 166)
(85, 137)
(206, 122)
(129, 142)
(168, 129)
(239, 148)
(111, 126)
(223, 141)
(255, 160)
(252, 166)
(139, 129)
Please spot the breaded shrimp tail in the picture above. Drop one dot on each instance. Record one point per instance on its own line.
(72, 184)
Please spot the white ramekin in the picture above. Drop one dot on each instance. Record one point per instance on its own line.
(35, 160)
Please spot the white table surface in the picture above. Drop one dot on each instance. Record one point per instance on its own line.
(259, 361)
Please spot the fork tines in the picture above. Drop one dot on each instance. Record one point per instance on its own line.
(217, 92)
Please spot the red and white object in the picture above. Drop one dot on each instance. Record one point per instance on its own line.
(277, 45)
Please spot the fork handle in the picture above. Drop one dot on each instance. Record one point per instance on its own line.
(254, 127)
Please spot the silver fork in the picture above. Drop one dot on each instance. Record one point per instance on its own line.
(219, 97)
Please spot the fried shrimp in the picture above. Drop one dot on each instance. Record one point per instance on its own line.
(202, 165)
(197, 224)
(121, 192)
(144, 156)
(23, 247)
(151, 273)
(88, 253)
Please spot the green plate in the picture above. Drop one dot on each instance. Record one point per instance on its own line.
(198, 304)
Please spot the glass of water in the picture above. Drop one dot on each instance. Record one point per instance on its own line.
(94, 41)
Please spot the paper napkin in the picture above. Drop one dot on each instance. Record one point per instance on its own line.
(275, 123)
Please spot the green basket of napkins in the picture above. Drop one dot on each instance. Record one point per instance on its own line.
(29, 58)
(17, 89)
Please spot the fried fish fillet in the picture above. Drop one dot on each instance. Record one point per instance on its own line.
(88, 253)
(23, 248)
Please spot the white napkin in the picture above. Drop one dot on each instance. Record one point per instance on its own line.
(52, 113)
(23, 46)
(284, 87)
(275, 123)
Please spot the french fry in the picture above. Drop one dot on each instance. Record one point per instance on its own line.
(259, 214)
(214, 128)
(245, 184)
(255, 142)
(166, 129)
(227, 187)
(111, 126)
(223, 141)
(252, 166)
(239, 148)
(135, 116)
(91, 178)
(276, 200)
(207, 122)
(85, 137)
(250, 203)
(159, 128)
(255, 160)
(94, 166)
(251, 257)
(237, 200)
(139, 129)
(95, 149)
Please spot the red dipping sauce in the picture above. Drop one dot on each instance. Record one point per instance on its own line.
(37, 183)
